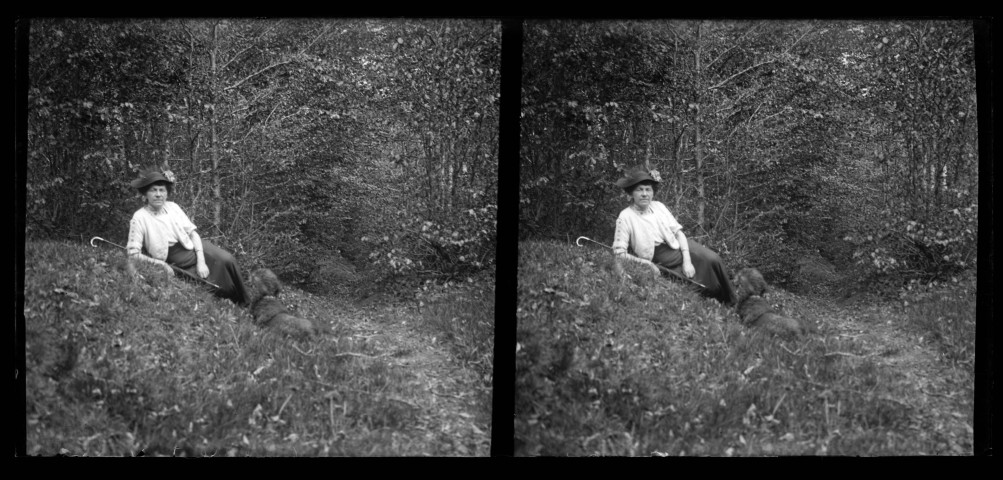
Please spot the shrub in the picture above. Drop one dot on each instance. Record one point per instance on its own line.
(456, 246)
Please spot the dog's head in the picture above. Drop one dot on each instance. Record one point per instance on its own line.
(264, 282)
(748, 281)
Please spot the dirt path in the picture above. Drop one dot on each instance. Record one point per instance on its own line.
(453, 420)
(940, 394)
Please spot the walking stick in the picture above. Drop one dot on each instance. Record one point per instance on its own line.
(174, 267)
(673, 272)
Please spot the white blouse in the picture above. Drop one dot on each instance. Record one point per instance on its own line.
(641, 232)
(157, 232)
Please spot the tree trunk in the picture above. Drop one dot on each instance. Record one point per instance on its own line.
(647, 146)
(217, 197)
(697, 141)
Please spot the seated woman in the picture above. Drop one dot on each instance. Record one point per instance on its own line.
(648, 230)
(162, 234)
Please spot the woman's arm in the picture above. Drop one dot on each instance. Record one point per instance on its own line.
(684, 245)
(621, 241)
(199, 254)
(134, 248)
(136, 256)
(626, 257)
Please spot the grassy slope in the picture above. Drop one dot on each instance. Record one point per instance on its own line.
(118, 367)
(636, 366)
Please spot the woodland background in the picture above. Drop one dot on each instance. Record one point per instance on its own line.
(329, 150)
(800, 147)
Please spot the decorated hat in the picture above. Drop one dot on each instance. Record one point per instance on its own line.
(149, 176)
(637, 175)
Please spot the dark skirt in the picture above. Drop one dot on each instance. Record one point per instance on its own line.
(223, 269)
(710, 270)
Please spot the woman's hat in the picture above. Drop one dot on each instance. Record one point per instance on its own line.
(147, 177)
(636, 176)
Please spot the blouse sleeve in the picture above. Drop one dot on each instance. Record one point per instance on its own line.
(621, 238)
(670, 220)
(674, 224)
(184, 222)
(137, 232)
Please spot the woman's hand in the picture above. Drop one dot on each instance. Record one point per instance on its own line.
(688, 269)
(618, 268)
(167, 267)
(654, 268)
(203, 270)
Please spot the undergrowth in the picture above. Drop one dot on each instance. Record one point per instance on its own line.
(156, 366)
(463, 315)
(945, 311)
(642, 366)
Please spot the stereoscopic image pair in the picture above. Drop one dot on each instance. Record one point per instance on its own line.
(452, 237)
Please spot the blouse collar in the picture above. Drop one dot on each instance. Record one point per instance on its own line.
(162, 211)
(639, 211)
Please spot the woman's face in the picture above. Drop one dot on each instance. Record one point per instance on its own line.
(156, 195)
(642, 195)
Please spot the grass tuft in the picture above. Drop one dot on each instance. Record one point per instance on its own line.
(945, 313)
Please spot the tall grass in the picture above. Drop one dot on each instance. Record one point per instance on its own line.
(462, 316)
(616, 366)
(946, 313)
(155, 366)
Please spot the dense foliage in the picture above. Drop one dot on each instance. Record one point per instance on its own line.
(316, 147)
(798, 146)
